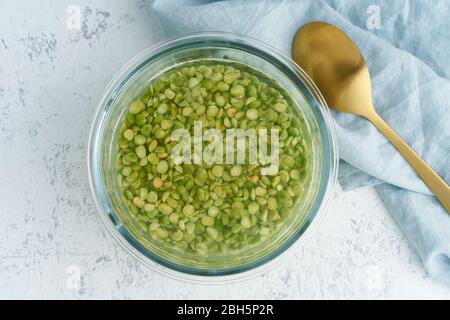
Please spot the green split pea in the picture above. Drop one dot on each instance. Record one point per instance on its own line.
(204, 209)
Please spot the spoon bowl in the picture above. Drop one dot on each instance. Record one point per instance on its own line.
(337, 67)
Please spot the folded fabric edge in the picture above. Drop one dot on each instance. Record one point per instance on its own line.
(425, 223)
(352, 178)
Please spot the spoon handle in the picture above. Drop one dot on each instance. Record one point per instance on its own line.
(431, 179)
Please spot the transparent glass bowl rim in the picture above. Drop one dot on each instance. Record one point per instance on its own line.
(330, 156)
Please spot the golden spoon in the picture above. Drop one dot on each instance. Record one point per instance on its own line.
(338, 68)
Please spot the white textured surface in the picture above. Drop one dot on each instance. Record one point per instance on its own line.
(50, 80)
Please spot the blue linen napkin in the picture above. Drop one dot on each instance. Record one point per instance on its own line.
(408, 56)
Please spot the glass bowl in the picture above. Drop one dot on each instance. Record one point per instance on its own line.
(131, 82)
